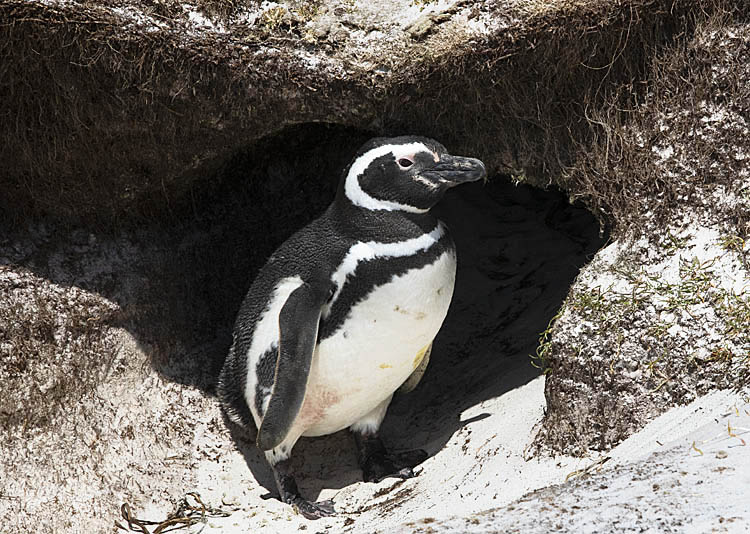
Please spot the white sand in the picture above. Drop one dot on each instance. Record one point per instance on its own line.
(483, 466)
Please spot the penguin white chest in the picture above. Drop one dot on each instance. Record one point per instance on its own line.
(378, 346)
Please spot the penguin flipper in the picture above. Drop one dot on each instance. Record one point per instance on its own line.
(298, 334)
(417, 374)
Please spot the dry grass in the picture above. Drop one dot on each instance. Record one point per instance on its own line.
(109, 119)
(621, 175)
(131, 116)
(526, 100)
(55, 348)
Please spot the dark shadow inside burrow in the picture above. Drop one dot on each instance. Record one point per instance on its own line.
(179, 283)
(519, 248)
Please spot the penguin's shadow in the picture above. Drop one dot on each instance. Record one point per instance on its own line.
(519, 251)
(327, 462)
(323, 463)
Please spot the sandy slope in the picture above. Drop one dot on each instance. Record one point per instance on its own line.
(684, 472)
(687, 471)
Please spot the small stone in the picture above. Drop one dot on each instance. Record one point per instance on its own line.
(421, 27)
(338, 34)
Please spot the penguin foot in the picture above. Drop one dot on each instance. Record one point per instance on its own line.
(380, 465)
(289, 493)
(313, 510)
(377, 463)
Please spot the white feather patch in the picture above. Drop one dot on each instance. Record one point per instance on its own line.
(354, 191)
(363, 251)
(427, 183)
(371, 422)
(266, 334)
(376, 349)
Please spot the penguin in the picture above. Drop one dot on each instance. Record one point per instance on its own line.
(344, 312)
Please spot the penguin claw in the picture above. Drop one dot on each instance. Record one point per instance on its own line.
(313, 510)
(406, 472)
(380, 466)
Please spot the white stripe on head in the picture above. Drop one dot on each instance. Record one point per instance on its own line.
(363, 251)
(354, 191)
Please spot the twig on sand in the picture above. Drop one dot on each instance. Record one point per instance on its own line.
(187, 514)
(588, 469)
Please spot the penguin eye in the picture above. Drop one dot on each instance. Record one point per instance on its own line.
(405, 163)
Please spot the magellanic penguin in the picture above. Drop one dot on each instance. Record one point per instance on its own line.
(344, 313)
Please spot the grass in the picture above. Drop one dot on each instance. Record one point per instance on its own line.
(524, 100)
(272, 19)
(55, 348)
(540, 358)
(660, 332)
(697, 284)
(672, 110)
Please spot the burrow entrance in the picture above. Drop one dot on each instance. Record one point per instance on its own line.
(179, 282)
(519, 248)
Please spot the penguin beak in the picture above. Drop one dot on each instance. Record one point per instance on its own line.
(457, 170)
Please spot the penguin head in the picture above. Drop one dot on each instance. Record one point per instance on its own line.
(406, 174)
